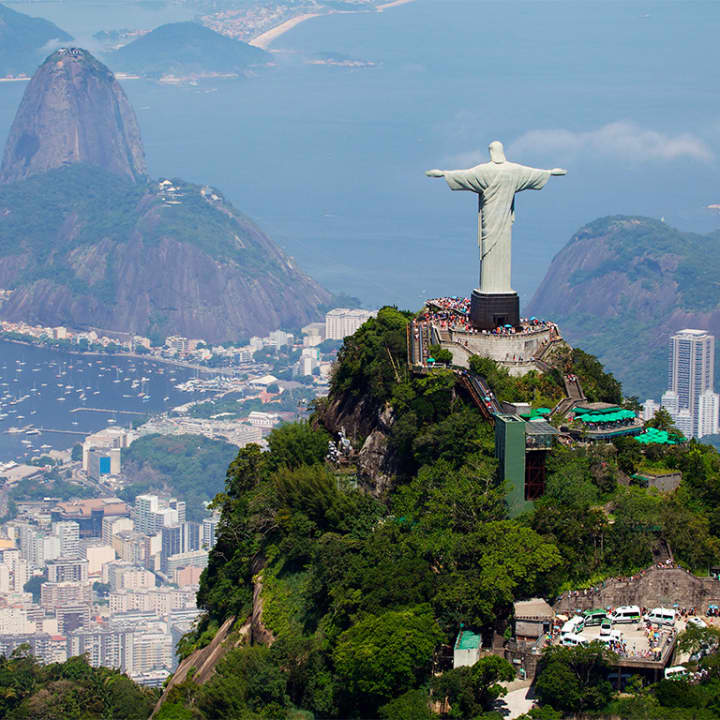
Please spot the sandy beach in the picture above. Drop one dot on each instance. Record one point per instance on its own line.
(394, 3)
(263, 41)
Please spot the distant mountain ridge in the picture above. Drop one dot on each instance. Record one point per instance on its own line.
(87, 240)
(22, 40)
(185, 48)
(73, 111)
(623, 284)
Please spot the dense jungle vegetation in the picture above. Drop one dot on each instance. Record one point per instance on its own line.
(363, 593)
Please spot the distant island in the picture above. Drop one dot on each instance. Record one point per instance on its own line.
(185, 49)
(24, 41)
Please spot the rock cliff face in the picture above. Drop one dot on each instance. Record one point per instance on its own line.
(73, 111)
(82, 248)
(86, 240)
(622, 285)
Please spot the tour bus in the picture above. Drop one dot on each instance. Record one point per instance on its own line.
(572, 640)
(573, 626)
(626, 614)
(661, 616)
(676, 672)
(594, 617)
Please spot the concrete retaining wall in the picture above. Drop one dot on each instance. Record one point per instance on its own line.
(654, 587)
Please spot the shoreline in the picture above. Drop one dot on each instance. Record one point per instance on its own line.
(394, 3)
(139, 356)
(264, 40)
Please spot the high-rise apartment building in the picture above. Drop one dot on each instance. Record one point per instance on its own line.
(341, 322)
(209, 531)
(153, 512)
(708, 411)
(691, 370)
(67, 570)
(69, 534)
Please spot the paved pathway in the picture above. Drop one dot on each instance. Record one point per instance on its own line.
(519, 699)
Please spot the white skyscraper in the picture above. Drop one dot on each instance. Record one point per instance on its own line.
(708, 411)
(690, 374)
(69, 534)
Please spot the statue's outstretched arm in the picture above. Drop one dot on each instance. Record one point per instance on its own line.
(558, 171)
(435, 173)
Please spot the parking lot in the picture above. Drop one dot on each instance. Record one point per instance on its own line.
(632, 642)
(636, 641)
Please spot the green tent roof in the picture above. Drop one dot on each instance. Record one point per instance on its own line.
(467, 640)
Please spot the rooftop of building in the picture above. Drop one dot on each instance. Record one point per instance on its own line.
(540, 427)
(597, 407)
(84, 508)
(467, 640)
(535, 608)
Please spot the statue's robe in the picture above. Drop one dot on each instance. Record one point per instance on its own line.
(496, 185)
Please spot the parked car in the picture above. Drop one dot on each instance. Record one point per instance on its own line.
(573, 626)
(697, 622)
(626, 614)
(594, 617)
(661, 616)
(572, 640)
(606, 627)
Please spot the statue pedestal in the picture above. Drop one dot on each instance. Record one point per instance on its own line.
(491, 310)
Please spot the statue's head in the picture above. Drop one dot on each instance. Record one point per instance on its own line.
(497, 153)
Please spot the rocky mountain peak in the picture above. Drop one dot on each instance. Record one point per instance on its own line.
(73, 111)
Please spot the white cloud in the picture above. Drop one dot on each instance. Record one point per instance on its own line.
(619, 138)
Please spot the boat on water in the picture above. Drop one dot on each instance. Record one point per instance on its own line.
(34, 431)
(61, 399)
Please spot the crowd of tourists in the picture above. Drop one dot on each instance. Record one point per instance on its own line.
(453, 313)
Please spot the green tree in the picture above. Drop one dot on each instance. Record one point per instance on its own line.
(383, 656)
(573, 679)
(472, 690)
(34, 584)
(296, 444)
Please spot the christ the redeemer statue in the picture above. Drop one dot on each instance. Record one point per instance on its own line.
(496, 183)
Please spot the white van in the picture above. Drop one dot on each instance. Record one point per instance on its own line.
(574, 626)
(572, 640)
(626, 614)
(613, 636)
(676, 672)
(661, 616)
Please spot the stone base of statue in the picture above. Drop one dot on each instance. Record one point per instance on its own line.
(492, 310)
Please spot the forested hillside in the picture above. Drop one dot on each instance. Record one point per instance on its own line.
(189, 466)
(359, 593)
(66, 690)
(622, 285)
